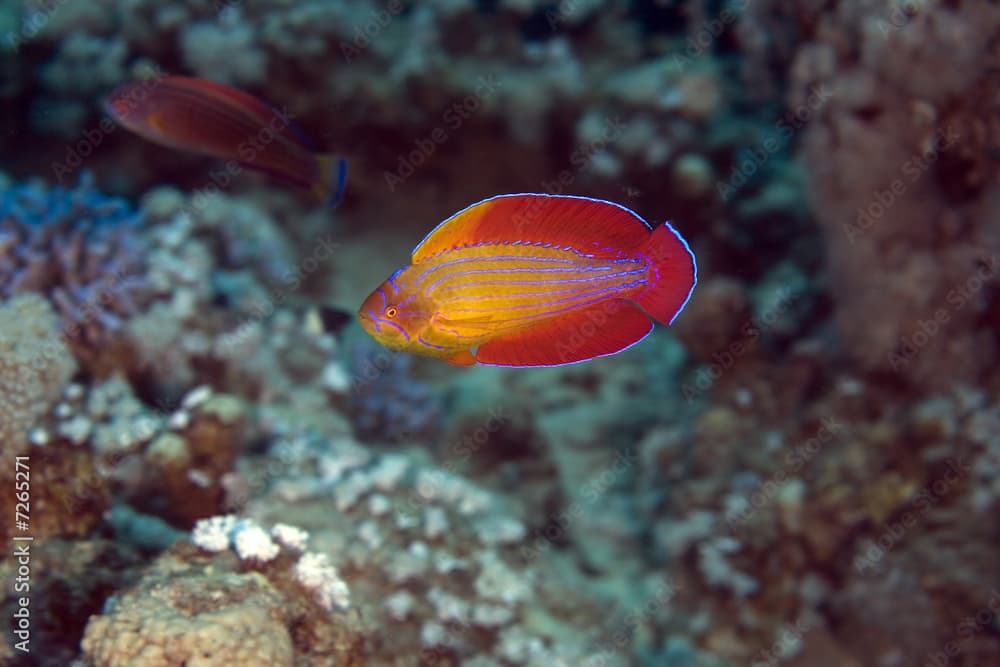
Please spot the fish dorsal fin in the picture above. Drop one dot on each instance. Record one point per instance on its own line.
(223, 92)
(261, 112)
(589, 226)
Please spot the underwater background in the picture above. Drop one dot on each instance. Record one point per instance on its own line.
(204, 460)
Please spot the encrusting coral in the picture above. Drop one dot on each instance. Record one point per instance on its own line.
(35, 365)
(70, 580)
(193, 610)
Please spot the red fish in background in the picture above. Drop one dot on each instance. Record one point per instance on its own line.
(205, 117)
(533, 280)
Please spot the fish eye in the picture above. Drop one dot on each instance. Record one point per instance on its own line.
(391, 312)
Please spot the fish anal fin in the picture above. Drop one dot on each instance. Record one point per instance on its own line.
(590, 226)
(591, 331)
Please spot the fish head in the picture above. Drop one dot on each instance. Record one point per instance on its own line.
(396, 315)
(139, 107)
(128, 107)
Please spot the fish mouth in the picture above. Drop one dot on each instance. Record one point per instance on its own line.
(368, 323)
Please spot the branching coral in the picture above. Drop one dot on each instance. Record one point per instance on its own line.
(168, 462)
(81, 250)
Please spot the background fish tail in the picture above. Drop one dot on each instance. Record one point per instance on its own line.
(332, 179)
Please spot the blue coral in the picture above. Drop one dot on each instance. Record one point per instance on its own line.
(78, 247)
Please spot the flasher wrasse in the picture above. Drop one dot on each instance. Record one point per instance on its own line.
(533, 280)
(209, 118)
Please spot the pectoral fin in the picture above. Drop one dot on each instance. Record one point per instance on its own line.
(467, 327)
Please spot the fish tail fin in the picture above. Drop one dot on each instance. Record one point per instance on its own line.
(332, 179)
(671, 277)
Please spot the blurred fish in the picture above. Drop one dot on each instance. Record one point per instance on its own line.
(533, 280)
(208, 118)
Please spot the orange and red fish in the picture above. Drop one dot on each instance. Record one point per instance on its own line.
(209, 118)
(533, 280)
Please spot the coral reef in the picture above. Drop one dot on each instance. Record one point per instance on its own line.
(905, 233)
(69, 582)
(192, 610)
(35, 365)
(172, 463)
(81, 250)
(208, 248)
(430, 554)
(387, 402)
